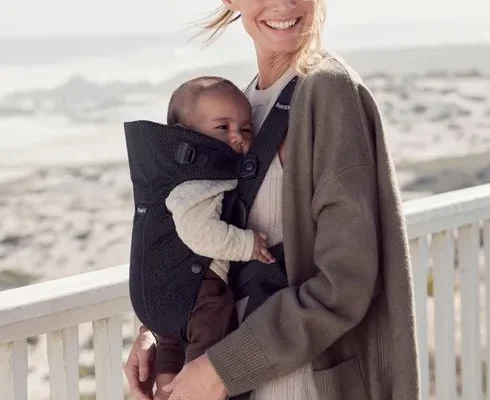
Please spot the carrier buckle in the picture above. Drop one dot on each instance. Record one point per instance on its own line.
(248, 166)
(185, 153)
(240, 214)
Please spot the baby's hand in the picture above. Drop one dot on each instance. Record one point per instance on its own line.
(261, 251)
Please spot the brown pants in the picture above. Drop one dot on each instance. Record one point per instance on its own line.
(212, 318)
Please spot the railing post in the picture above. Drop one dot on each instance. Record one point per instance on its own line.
(445, 357)
(419, 255)
(13, 370)
(108, 358)
(468, 246)
(486, 246)
(63, 350)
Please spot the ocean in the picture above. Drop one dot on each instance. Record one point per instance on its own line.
(71, 94)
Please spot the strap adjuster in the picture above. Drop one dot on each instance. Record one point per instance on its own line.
(185, 153)
(248, 166)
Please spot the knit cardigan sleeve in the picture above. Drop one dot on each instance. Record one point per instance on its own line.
(196, 208)
(298, 323)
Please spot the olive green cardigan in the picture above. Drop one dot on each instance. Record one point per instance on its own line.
(349, 308)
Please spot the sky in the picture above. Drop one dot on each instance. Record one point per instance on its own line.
(62, 17)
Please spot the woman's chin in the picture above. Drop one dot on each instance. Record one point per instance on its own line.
(278, 48)
(281, 40)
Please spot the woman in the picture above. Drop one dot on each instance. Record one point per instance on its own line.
(344, 328)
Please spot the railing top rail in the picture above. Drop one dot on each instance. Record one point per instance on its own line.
(63, 294)
(447, 210)
(423, 216)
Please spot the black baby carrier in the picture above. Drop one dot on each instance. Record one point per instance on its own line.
(161, 158)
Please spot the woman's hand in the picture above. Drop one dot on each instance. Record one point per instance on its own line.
(198, 380)
(138, 368)
(161, 381)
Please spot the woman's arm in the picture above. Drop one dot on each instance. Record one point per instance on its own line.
(298, 323)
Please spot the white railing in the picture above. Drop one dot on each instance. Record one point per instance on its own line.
(449, 243)
(441, 227)
(57, 308)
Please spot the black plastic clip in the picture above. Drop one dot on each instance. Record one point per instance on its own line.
(185, 153)
(248, 166)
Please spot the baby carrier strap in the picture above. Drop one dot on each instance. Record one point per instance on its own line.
(266, 145)
(255, 279)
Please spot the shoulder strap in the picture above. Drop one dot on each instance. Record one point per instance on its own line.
(266, 144)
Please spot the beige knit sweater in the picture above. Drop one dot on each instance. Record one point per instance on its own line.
(349, 307)
(196, 211)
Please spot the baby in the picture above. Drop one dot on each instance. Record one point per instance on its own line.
(214, 107)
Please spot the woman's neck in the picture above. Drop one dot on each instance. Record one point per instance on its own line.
(271, 68)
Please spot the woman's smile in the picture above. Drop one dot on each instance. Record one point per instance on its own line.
(282, 25)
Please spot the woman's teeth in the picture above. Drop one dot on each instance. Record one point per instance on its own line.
(281, 25)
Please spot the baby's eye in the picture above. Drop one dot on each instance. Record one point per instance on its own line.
(222, 127)
(247, 130)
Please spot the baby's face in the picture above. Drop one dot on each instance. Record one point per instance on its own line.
(226, 116)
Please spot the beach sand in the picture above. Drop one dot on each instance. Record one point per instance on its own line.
(63, 212)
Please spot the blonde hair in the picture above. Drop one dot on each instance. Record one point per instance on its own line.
(309, 52)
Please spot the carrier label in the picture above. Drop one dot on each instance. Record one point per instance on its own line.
(282, 106)
(140, 210)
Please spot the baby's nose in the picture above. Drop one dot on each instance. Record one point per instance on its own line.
(235, 136)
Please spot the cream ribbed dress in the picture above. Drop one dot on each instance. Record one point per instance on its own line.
(266, 216)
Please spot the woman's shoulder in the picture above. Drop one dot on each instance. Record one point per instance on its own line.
(342, 108)
(333, 82)
(332, 72)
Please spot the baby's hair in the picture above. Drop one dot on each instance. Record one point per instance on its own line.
(186, 95)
